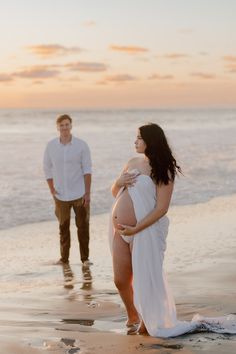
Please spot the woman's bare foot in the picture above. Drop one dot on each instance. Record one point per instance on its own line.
(132, 326)
(133, 329)
(132, 321)
(142, 329)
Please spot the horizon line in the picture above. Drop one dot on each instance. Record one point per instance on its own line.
(120, 108)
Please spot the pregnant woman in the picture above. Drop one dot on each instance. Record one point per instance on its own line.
(138, 241)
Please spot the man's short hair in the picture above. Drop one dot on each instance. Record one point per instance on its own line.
(62, 117)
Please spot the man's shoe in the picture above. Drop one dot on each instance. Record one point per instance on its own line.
(87, 263)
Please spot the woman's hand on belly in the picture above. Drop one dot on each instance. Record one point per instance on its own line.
(126, 230)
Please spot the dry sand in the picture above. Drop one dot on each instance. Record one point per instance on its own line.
(48, 309)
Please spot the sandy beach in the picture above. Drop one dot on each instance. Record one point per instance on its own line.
(50, 309)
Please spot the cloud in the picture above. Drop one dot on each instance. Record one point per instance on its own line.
(5, 77)
(160, 77)
(102, 82)
(72, 79)
(231, 68)
(38, 82)
(176, 56)
(49, 50)
(37, 72)
(89, 23)
(230, 58)
(87, 66)
(202, 75)
(231, 63)
(119, 78)
(128, 49)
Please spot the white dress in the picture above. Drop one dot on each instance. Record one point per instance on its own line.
(152, 296)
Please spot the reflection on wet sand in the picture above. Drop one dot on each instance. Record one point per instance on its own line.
(71, 343)
(82, 321)
(87, 278)
(69, 282)
(68, 276)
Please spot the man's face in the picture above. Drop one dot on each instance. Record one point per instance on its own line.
(64, 127)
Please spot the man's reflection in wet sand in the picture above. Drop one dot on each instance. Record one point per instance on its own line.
(87, 278)
(68, 277)
(69, 282)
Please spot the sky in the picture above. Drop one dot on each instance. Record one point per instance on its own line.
(117, 54)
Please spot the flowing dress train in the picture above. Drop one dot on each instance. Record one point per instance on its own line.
(152, 296)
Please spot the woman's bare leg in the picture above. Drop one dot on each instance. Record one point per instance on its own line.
(123, 276)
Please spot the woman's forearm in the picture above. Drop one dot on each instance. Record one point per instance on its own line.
(150, 219)
(164, 193)
(115, 188)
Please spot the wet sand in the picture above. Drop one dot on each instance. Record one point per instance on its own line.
(53, 309)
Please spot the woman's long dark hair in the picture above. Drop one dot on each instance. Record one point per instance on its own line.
(164, 167)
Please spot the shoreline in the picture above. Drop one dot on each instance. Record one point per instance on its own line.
(46, 308)
(172, 208)
(95, 213)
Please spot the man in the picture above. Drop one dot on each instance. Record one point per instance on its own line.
(67, 167)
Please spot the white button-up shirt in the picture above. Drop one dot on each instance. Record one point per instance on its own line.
(67, 165)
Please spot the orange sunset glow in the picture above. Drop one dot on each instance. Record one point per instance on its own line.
(133, 54)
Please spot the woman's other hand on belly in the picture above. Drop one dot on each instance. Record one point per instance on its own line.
(126, 230)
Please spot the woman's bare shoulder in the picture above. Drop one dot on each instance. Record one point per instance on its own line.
(131, 162)
(134, 160)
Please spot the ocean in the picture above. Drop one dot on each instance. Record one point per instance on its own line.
(203, 141)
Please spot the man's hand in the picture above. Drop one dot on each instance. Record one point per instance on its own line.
(86, 199)
(51, 186)
(53, 191)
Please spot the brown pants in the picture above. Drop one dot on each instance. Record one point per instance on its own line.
(63, 211)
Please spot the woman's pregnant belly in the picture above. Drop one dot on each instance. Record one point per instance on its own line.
(123, 211)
